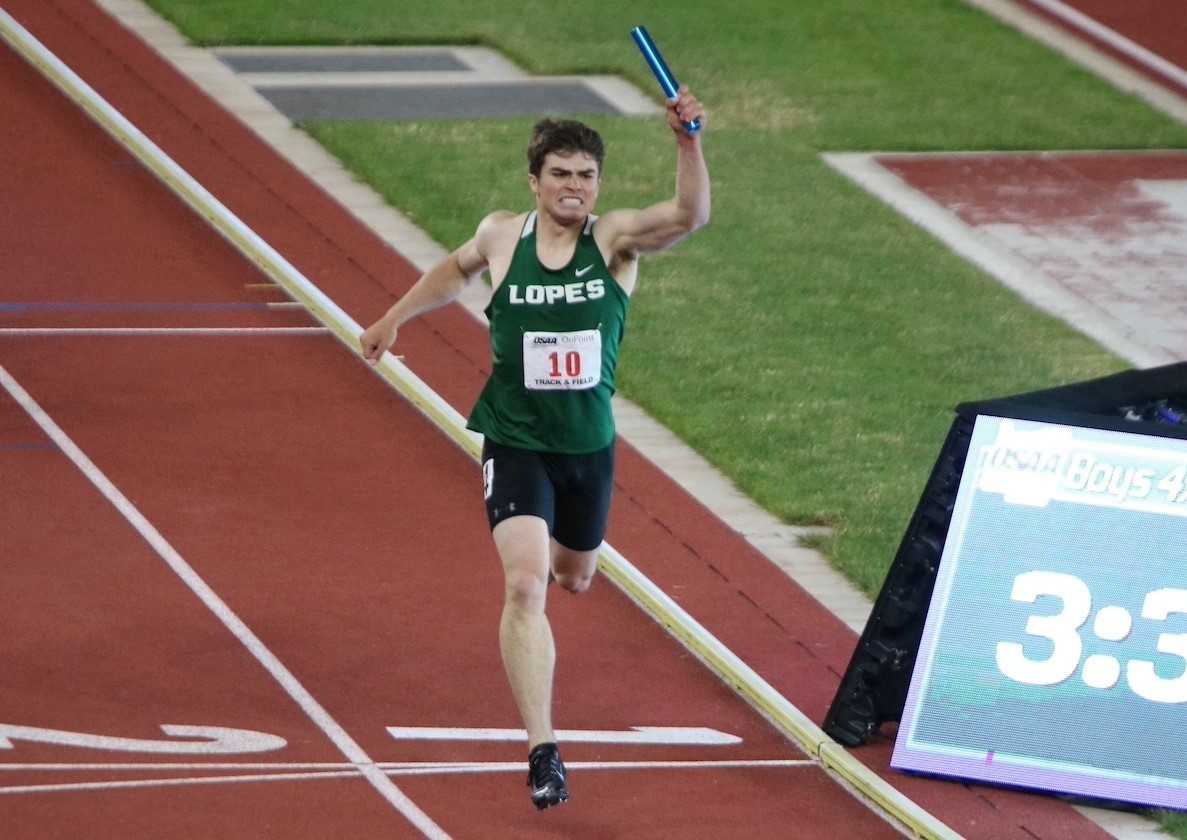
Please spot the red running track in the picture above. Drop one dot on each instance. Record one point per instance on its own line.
(1157, 26)
(342, 528)
(345, 532)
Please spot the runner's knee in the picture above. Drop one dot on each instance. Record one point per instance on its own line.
(525, 590)
(573, 570)
(575, 582)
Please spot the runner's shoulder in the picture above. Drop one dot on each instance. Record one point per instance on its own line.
(500, 221)
(498, 231)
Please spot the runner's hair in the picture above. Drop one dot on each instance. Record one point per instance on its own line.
(564, 137)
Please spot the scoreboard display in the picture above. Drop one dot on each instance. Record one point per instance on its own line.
(1054, 654)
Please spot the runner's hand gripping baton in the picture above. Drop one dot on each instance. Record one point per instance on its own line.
(666, 80)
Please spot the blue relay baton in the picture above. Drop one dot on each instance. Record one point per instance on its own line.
(655, 61)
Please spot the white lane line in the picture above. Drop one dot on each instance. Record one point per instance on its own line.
(291, 766)
(197, 780)
(149, 331)
(428, 768)
(1128, 48)
(671, 735)
(404, 769)
(341, 739)
(408, 766)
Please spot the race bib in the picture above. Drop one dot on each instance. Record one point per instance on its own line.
(565, 361)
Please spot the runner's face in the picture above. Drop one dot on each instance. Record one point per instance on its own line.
(567, 186)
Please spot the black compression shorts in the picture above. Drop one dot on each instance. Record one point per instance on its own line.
(569, 492)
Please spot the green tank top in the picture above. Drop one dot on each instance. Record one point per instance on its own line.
(554, 345)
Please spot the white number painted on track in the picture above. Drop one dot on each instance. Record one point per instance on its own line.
(215, 740)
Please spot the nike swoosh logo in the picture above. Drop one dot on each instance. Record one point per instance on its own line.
(582, 271)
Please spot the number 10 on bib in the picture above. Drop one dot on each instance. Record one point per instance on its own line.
(567, 361)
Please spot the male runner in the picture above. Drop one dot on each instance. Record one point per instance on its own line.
(561, 279)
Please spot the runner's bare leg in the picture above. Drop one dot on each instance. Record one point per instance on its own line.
(525, 637)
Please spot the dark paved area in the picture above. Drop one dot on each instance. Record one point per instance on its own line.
(354, 62)
(436, 102)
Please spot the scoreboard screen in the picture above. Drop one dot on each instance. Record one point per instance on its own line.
(1054, 655)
